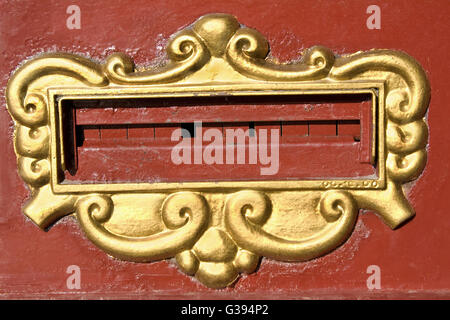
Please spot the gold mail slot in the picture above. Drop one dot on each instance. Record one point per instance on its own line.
(218, 225)
(310, 148)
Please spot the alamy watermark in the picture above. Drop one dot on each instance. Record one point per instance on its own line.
(374, 20)
(374, 280)
(73, 281)
(207, 147)
(74, 19)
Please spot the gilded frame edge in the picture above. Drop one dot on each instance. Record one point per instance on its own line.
(338, 88)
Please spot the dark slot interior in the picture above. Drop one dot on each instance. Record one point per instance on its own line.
(106, 127)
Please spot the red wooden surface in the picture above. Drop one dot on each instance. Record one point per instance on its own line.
(414, 260)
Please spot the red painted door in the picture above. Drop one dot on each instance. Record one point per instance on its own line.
(412, 261)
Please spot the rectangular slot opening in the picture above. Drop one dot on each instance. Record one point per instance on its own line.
(322, 137)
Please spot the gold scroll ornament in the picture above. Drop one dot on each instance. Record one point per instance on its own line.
(216, 231)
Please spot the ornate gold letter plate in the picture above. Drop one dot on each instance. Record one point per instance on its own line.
(217, 230)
